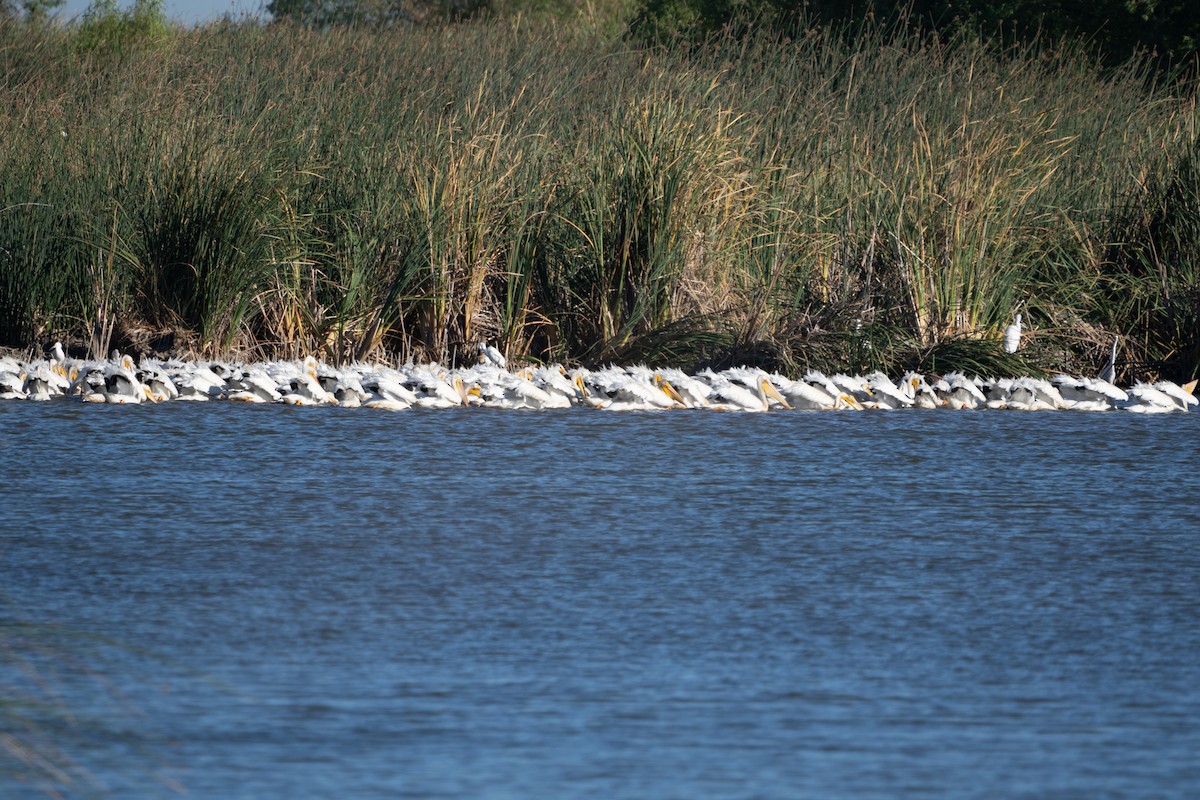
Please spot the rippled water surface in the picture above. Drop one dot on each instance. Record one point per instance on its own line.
(315, 603)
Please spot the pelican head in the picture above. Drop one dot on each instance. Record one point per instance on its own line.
(670, 391)
(768, 389)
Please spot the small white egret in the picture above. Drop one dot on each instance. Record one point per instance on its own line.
(1110, 369)
(492, 355)
(1012, 336)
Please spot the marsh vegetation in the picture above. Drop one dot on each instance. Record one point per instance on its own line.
(875, 199)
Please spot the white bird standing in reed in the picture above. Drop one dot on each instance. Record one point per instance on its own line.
(1012, 336)
(492, 355)
(1109, 373)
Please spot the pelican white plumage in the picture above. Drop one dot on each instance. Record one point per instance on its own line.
(886, 394)
(12, 381)
(923, 395)
(1145, 398)
(89, 383)
(1012, 336)
(1183, 396)
(200, 382)
(1024, 394)
(958, 391)
(637, 390)
(692, 392)
(60, 363)
(255, 386)
(519, 391)
(159, 386)
(438, 392)
(553, 379)
(854, 386)
(1088, 394)
(121, 384)
(735, 396)
(386, 391)
(42, 382)
(842, 398)
(804, 395)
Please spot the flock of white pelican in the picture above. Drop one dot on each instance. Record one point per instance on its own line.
(490, 383)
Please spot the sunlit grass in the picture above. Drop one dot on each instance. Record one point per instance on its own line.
(572, 195)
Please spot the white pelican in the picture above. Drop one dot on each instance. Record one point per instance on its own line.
(692, 393)
(958, 391)
(386, 391)
(12, 379)
(67, 367)
(730, 396)
(804, 395)
(842, 399)
(615, 389)
(887, 395)
(121, 384)
(89, 382)
(1145, 398)
(555, 381)
(1012, 336)
(159, 386)
(1025, 394)
(441, 393)
(199, 382)
(518, 391)
(923, 394)
(1183, 396)
(42, 382)
(1089, 394)
(255, 386)
(855, 386)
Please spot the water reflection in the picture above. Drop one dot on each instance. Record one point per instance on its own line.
(583, 604)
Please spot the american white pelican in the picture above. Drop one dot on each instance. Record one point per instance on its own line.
(887, 395)
(44, 383)
(386, 391)
(12, 385)
(121, 384)
(691, 392)
(1025, 394)
(923, 394)
(735, 396)
(1145, 398)
(958, 391)
(159, 386)
(1183, 396)
(200, 382)
(67, 367)
(1012, 336)
(1089, 394)
(804, 395)
(254, 386)
(555, 381)
(842, 398)
(89, 383)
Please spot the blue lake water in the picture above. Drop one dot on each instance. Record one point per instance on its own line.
(277, 602)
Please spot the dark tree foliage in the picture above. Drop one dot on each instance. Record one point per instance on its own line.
(323, 13)
(31, 9)
(1167, 29)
